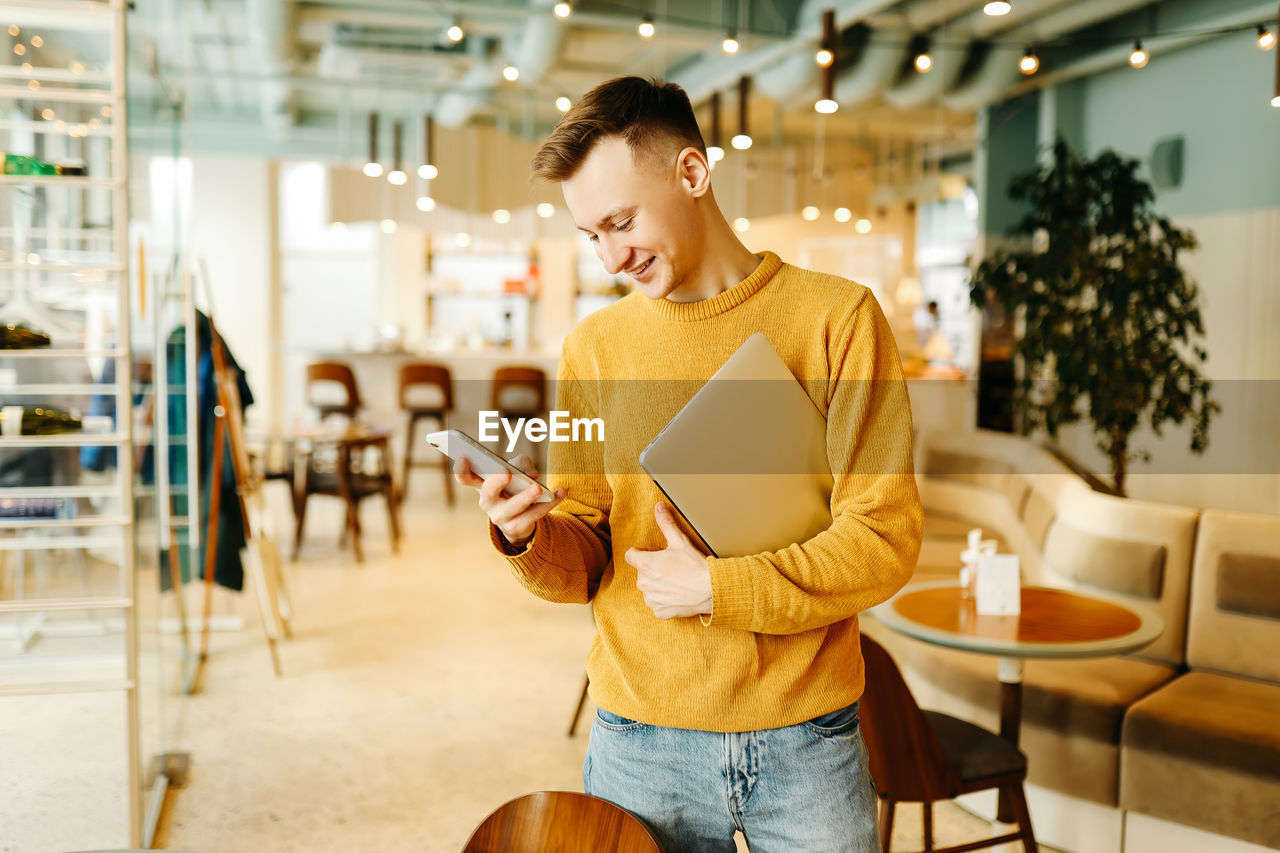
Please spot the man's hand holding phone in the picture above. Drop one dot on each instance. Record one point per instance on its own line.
(515, 515)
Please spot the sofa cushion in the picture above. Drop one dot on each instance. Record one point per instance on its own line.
(971, 468)
(1037, 514)
(1016, 489)
(1249, 584)
(1204, 750)
(1117, 565)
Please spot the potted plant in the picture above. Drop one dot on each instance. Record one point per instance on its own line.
(1110, 324)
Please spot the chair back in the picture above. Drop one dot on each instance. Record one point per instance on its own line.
(422, 374)
(333, 372)
(527, 383)
(563, 822)
(908, 763)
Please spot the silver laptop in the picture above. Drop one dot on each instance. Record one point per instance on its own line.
(745, 461)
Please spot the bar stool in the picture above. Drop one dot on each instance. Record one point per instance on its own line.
(419, 380)
(326, 373)
(520, 392)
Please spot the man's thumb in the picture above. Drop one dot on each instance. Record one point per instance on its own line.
(667, 524)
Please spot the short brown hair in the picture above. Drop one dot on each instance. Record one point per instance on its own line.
(653, 117)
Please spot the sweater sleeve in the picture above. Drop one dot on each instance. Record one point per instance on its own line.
(869, 552)
(571, 545)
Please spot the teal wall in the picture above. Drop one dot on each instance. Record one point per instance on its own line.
(1216, 95)
(1007, 136)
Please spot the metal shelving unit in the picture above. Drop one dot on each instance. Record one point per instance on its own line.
(51, 210)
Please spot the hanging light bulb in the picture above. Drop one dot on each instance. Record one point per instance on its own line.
(923, 61)
(47, 114)
(511, 73)
(810, 213)
(1266, 38)
(827, 102)
(426, 203)
(996, 8)
(730, 43)
(823, 57)
(843, 214)
(428, 171)
(455, 33)
(1029, 63)
(742, 141)
(462, 239)
(862, 226)
(396, 177)
(36, 41)
(546, 210)
(563, 9)
(15, 30)
(1138, 58)
(741, 224)
(563, 104)
(502, 216)
(388, 226)
(372, 167)
(714, 152)
(646, 28)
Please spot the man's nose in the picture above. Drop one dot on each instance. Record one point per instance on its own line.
(613, 256)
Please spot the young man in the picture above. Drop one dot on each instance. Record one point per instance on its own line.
(727, 687)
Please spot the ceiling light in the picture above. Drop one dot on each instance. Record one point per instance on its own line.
(397, 177)
(502, 216)
(714, 154)
(563, 104)
(996, 8)
(1029, 63)
(826, 106)
(428, 172)
(827, 98)
(47, 114)
(511, 73)
(563, 9)
(730, 43)
(742, 141)
(1139, 57)
(14, 30)
(455, 33)
(810, 213)
(546, 210)
(338, 226)
(1266, 38)
(36, 41)
(862, 226)
(1275, 102)
(741, 224)
(426, 203)
(388, 226)
(462, 239)
(20, 49)
(646, 28)
(824, 58)
(843, 214)
(923, 61)
(372, 167)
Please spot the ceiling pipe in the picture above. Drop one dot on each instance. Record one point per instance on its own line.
(271, 27)
(472, 93)
(875, 71)
(540, 44)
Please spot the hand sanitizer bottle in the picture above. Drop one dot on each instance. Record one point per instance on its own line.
(969, 569)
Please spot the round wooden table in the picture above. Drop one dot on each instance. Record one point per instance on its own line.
(1054, 623)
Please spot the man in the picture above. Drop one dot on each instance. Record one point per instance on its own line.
(727, 687)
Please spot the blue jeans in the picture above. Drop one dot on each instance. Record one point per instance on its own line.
(798, 789)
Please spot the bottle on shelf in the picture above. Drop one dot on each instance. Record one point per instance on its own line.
(36, 508)
(42, 420)
(18, 336)
(21, 164)
(969, 569)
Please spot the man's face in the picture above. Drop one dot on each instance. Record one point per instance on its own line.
(640, 219)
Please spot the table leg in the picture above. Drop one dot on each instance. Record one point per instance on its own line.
(1010, 721)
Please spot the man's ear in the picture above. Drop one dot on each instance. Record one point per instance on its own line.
(693, 172)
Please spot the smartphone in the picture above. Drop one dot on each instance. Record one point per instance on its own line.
(456, 444)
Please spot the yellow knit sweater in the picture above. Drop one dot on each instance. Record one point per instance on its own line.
(781, 645)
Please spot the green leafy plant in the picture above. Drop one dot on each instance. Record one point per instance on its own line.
(1111, 324)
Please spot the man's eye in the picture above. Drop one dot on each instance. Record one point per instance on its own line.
(626, 226)
(593, 238)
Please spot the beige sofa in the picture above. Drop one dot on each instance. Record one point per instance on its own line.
(1076, 713)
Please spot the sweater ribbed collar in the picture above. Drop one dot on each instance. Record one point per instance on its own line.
(721, 302)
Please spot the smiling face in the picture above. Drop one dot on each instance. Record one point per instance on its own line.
(641, 214)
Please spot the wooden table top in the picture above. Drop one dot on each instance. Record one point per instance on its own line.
(1054, 623)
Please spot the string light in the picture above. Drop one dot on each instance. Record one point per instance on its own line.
(502, 216)
(923, 60)
(1138, 58)
(426, 203)
(862, 226)
(742, 141)
(511, 73)
(15, 30)
(563, 9)
(27, 68)
(1030, 63)
(826, 106)
(730, 43)
(714, 152)
(462, 239)
(47, 114)
(455, 33)
(646, 28)
(388, 226)
(741, 224)
(843, 214)
(1266, 38)
(36, 41)
(996, 8)
(823, 58)
(396, 177)
(20, 49)
(827, 103)
(546, 210)
(563, 104)
(810, 213)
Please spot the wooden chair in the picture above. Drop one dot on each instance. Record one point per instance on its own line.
(520, 392)
(335, 467)
(414, 378)
(333, 372)
(563, 822)
(925, 756)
